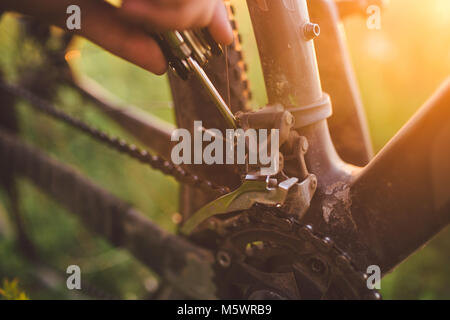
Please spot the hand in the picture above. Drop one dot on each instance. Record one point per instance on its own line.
(124, 31)
(181, 15)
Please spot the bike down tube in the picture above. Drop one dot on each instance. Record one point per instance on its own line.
(402, 198)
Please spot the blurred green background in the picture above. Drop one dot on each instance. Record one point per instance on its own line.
(397, 68)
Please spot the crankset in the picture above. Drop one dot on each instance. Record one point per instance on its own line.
(261, 254)
(262, 248)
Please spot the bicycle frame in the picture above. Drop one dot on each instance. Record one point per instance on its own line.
(374, 206)
(372, 212)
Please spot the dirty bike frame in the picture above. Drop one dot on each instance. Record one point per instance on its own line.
(379, 209)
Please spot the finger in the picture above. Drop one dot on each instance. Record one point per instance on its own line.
(104, 27)
(189, 14)
(220, 27)
(101, 24)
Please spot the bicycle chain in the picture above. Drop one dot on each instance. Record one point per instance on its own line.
(167, 167)
(156, 162)
(291, 226)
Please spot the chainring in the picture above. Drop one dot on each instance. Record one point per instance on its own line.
(260, 254)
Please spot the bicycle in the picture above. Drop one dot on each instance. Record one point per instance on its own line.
(319, 243)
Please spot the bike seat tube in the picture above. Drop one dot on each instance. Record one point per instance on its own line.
(288, 58)
(291, 75)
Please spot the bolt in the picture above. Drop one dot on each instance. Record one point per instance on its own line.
(304, 145)
(313, 184)
(317, 266)
(311, 31)
(223, 258)
(289, 119)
